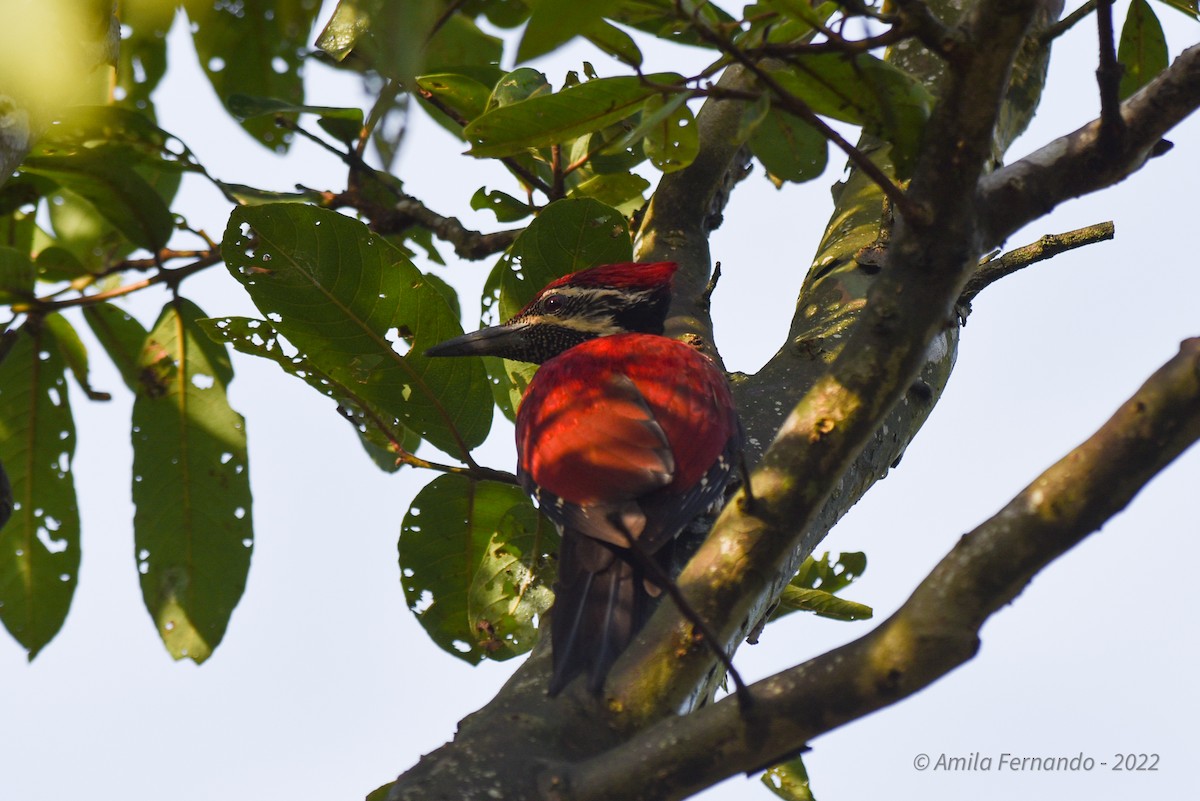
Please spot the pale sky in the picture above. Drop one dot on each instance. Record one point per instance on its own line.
(325, 686)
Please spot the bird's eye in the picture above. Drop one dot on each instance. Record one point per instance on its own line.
(553, 303)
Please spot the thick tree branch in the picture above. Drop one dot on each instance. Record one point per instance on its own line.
(907, 308)
(1078, 164)
(935, 631)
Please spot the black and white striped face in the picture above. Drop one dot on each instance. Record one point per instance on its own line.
(599, 302)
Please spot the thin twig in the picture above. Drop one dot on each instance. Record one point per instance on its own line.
(1047, 247)
(164, 276)
(1067, 23)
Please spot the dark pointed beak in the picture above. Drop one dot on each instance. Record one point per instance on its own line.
(499, 340)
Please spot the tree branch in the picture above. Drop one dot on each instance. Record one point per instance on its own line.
(937, 628)
(1078, 164)
(909, 305)
(1047, 247)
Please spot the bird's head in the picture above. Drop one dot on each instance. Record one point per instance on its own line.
(597, 302)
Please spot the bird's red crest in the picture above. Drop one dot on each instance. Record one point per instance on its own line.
(627, 275)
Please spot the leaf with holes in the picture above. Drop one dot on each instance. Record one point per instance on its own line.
(813, 587)
(789, 780)
(864, 90)
(75, 353)
(475, 567)
(256, 48)
(342, 296)
(379, 434)
(568, 235)
(672, 142)
(39, 546)
(192, 525)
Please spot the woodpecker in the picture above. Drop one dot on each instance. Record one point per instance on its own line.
(623, 437)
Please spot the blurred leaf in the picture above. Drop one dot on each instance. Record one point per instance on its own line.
(474, 567)
(506, 207)
(39, 546)
(789, 148)
(122, 338)
(118, 133)
(619, 190)
(74, 353)
(143, 57)
(253, 196)
(464, 95)
(672, 142)
(615, 42)
(59, 264)
(522, 83)
(246, 106)
(374, 428)
(6, 497)
(191, 489)
(115, 190)
(257, 48)
(560, 117)
(789, 781)
(403, 38)
(829, 574)
(554, 22)
(343, 296)
(864, 90)
(380, 793)
(661, 19)
(17, 275)
(1143, 48)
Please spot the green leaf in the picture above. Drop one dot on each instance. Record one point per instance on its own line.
(143, 58)
(506, 207)
(522, 83)
(615, 42)
(672, 142)
(379, 434)
(257, 48)
(6, 497)
(789, 781)
(116, 191)
(121, 336)
(74, 353)
(622, 190)
(192, 525)
(59, 264)
(1143, 48)
(789, 148)
(474, 566)
(554, 23)
(339, 294)
(829, 574)
(39, 546)
(824, 604)
(17, 275)
(550, 119)
(464, 95)
(864, 90)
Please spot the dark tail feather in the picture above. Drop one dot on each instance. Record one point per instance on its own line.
(601, 603)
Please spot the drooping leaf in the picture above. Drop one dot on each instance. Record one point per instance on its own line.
(553, 23)
(548, 119)
(193, 533)
(342, 296)
(506, 207)
(378, 433)
(474, 566)
(122, 338)
(342, 123)
(1143, 48)
(789, 781)
(863, 90)
(39, 546)
(254, 47)
(74, 352)
(789, 149)
(116, 191)
(615, 42)
(672, 142)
